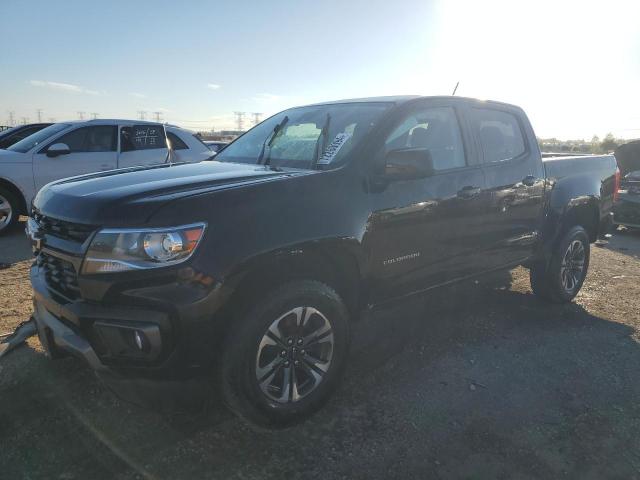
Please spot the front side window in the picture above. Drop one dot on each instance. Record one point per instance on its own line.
(435, 129)
(100, 138)
(500, 134)
(26, 144)
(305, 137)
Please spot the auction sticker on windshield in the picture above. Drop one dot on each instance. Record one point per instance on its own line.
(333, 148)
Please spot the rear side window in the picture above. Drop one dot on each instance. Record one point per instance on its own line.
(500, 134)
(176, 142)
(142, 137)
(100, 138)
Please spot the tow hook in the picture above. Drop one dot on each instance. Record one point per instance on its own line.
(23, 331)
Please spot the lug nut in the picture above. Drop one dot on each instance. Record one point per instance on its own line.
(296, 363)
(283, 353)
(290, 341)
(302, 352)
(286, 363)
(299, 341)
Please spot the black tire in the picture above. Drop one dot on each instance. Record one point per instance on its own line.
(547, 281)
(246, 345)
(7, 197)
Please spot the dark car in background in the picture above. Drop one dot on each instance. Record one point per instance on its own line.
(627, 206)
(15, 134)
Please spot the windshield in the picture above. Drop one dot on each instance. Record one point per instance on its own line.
(300, 142)
(26, 144)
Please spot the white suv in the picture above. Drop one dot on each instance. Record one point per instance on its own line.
(75, 148)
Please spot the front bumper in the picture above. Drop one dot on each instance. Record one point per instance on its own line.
(174, 343)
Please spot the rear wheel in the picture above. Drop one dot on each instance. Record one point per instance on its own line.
(9, 210)
(561, 279)
(285, 356)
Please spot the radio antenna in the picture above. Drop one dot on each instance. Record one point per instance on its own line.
(455, 89)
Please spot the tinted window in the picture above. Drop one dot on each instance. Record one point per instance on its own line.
(10, 139)
(435, 129)
(37, 138)
(90, 139)
(500, 134)
(176, 142)
(142, 137)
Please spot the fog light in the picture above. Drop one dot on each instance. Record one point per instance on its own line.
(137, 336)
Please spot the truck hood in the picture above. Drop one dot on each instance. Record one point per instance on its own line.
(128, 197)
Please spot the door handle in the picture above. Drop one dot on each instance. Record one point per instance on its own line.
(529, 180)
(468, 191)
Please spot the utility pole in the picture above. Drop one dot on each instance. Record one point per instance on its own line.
(157, 115)
(12, 120)
(39, 112)
(256, 117)
(141, 114)
(94, 116)
(25, 120)
(81, 115)
(239, 120)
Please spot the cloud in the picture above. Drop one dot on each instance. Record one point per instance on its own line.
(213, 86)
(66, 87)
(137, 95)
(265, 97)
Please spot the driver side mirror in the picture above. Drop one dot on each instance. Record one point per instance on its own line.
(58, 149)
(408, 164)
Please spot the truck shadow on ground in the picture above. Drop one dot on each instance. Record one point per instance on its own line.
(474, 379)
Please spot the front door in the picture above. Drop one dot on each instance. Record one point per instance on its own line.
(425, 232)
(91, 149)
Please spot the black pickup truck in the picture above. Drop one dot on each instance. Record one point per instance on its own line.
(249, 271)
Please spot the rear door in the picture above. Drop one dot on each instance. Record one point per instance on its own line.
(142, 144)
(426, 232)
(92, 149)
(515, 181)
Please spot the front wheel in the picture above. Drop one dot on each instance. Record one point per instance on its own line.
(285, 356)
(561, 279)
(9, 210)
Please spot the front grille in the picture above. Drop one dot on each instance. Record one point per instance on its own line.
(60, 275)
(66, 230)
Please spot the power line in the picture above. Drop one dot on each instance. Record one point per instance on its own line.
(81, 115)
(39, 112)
(94, 116)
(141, 114)
(256, 117)
(25, 120)
(12, 120)
(157, 116)
(240, 120)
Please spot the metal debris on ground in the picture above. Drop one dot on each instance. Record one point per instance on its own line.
(12, 340)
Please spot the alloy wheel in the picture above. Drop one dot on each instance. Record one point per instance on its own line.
(6, 212)
(572, 267)
(294, 355)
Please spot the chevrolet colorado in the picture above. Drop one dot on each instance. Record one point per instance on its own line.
(250, 270)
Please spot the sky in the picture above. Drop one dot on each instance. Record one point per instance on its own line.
(574, 66)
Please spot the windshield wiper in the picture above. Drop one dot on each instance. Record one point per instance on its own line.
(269, 141)
(321, 143)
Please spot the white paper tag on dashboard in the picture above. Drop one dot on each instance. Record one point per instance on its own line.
(333, 148)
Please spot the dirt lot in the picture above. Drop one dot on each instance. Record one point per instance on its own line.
(478, 381)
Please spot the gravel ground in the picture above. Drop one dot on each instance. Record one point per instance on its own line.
(477, 381)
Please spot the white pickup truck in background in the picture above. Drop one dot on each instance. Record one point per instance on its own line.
(68, 149)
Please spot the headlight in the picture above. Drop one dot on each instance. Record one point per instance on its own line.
(118, 250)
